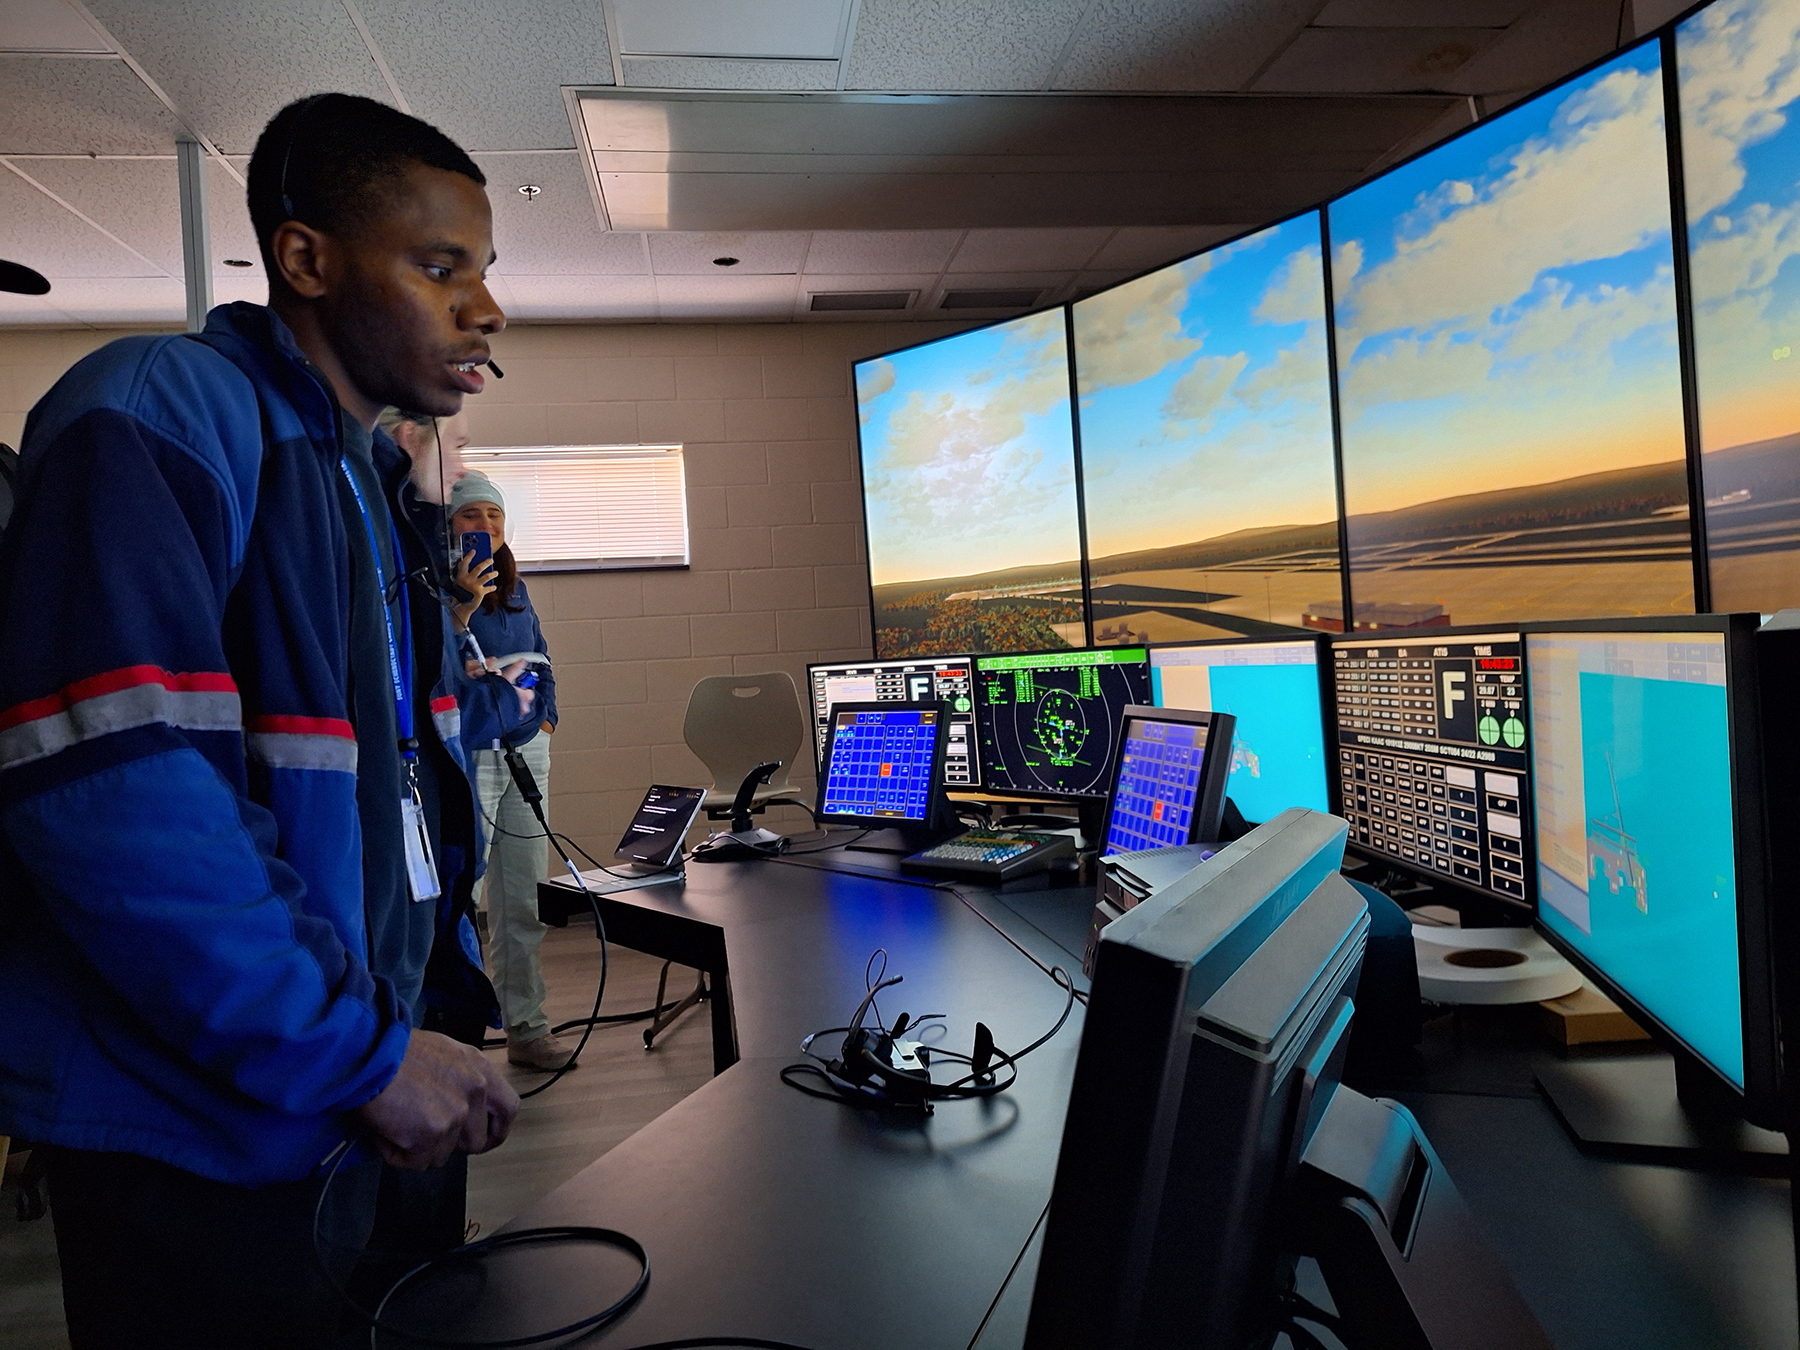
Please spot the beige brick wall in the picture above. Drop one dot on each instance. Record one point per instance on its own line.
(779, 571)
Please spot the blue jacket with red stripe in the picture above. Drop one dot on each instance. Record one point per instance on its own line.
(184, 947)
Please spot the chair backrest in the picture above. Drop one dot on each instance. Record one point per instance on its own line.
(735, 722)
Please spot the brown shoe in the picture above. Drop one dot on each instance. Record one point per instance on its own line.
(542, 1054)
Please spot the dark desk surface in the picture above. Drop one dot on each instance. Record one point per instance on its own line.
(770, 1214)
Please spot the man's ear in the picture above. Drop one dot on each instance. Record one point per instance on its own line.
(300, 253)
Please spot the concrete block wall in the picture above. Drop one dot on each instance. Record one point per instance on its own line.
(779, 567)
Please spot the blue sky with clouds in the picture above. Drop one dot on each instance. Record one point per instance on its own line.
(1505, 303)
(1205, 403)
(969, 453)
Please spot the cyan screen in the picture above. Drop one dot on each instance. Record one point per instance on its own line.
(1272, 688)
(1631, 775)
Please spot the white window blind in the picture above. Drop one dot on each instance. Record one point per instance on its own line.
(591, 506)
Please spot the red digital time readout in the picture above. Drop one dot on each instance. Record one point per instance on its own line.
(1496, 663)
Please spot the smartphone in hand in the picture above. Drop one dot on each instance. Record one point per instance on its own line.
(480, 543)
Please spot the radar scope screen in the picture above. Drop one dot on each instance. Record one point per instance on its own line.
(1049, 722)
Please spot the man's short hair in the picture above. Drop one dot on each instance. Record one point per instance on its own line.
(333, 161)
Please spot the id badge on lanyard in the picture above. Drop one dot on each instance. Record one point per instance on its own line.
(421, 867)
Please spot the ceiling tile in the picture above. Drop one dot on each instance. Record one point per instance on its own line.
(137, 199)
(556, 231)
(770, 252)
(489, 75)
(122, 300)
(700, 72)
(1137, 248)
(77, 106)
(1373, 60)
(959, 44)
(856, 252)
(795, 28)
(1179, 44)
(46, 26)
(543, 299)
(1543, 46)
(232, 234)
(686, 297)
(232, 66)
(56, 242)
(1419, 13)
(32, 310)
(1027, 250)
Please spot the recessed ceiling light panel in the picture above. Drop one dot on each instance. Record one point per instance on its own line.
(800, 29)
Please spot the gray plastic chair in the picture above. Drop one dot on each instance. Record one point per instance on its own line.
(734, 723)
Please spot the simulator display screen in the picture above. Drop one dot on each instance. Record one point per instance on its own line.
(1740, 146)
(1159, 782)
(1636, 868)
(880, 764)
(1508, 365)
(1432, 755)
(968, 470)
(1272, 688)
(1050, 721)
(948, 679)
(1208, 474)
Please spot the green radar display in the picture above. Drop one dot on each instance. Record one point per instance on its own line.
(1487, 730)
(1049, 722)
(1061, 728)
(1512, 731)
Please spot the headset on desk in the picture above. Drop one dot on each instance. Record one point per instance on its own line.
(879, 1067)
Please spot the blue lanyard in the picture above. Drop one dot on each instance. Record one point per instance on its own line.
(399, 651)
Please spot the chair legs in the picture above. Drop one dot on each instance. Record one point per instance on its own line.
(665, 1019)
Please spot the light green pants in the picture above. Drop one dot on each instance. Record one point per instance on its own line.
(515, 865)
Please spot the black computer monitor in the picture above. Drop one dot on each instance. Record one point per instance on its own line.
(1047, 723)
(1272, 687)
(1433, 736)
(884, 768)
(1214, 1035)
(1648, 799)
(949, 680)
(1169, 786)
(1208, 1141)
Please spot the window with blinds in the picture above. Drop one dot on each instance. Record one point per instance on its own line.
(577, 507)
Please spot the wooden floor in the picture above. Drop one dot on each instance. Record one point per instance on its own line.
(617, 1089)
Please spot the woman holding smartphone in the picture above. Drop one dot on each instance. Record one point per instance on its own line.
(507, 630)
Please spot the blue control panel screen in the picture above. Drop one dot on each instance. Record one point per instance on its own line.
(880, 764)
(1159, 782)
(1636, 866)
(1272, 688)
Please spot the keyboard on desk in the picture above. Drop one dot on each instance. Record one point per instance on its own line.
(992, 856)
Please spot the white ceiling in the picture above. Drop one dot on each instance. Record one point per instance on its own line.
(1239, 111)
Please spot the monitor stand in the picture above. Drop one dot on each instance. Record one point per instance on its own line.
(900, 840)
(1652, 1108)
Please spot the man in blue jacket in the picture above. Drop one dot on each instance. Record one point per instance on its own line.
(216, 737)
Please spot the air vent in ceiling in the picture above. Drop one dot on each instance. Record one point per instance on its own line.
(861, 300)
(989, 299)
